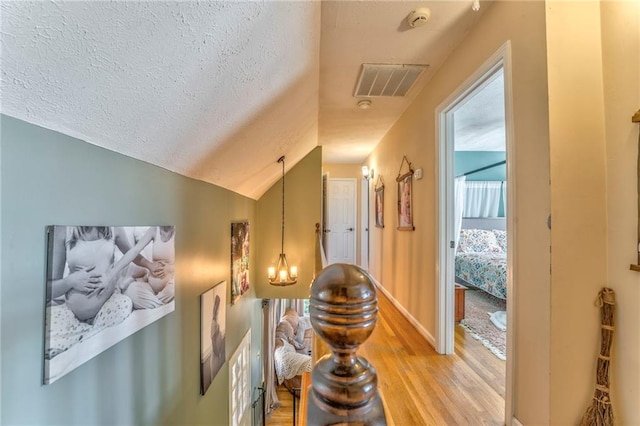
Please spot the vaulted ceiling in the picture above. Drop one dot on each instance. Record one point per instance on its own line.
(218, 91)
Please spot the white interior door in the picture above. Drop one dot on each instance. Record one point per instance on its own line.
(341, 231)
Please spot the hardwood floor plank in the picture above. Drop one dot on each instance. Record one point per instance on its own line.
(422, 387)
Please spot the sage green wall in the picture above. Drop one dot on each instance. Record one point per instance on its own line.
(151, 377)
(303, 200)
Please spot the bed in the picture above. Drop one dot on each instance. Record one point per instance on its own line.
(481, 255)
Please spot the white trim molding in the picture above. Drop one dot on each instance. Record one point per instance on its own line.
(423, 331)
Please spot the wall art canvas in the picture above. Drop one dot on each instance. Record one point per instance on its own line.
(379, 203)
(212, 333)
(104, 283)
(239, 260)
(405, 214)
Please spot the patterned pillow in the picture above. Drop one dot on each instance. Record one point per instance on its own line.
(478, 241)
(501, 238)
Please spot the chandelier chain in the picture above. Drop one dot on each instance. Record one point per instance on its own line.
(281, 160)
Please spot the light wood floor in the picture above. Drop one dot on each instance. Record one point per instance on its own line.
(422, 387)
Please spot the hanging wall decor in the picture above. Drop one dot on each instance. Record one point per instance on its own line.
(405, 205)
(104, 283)
(212, 333)
(379, 202)
(239, 260)
(636, 266)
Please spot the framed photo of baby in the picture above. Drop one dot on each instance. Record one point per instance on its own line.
(104, 283)
(212, 333)
(239, 260)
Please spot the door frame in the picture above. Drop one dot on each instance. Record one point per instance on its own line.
(364, 224)
(445, 297)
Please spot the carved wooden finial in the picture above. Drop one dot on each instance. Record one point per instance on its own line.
(344, 309)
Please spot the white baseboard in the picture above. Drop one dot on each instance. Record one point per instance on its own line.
(516, 422)
(423, 331)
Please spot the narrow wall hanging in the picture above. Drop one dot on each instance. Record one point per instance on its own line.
(239, 260)
(379, 190)
(636, 119)
(405, 203)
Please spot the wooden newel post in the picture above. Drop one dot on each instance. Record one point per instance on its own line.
(344, 387)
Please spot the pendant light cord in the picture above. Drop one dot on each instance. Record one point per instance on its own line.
(281, 160)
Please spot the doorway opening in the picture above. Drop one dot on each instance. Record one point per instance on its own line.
(475, 291)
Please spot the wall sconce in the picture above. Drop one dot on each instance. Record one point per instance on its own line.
(282, 274)
(366, 173)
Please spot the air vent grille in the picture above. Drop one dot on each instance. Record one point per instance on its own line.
(387, 79)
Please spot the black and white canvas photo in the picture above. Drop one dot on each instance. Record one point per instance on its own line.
(239, 260)
(212, 328)
(104, 283)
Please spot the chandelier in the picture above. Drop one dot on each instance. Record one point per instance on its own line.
(282, 274)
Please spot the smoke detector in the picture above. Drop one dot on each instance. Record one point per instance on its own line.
(419, 17)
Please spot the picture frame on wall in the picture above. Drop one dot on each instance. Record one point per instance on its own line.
(212, 333)
(379, 206)
(405, 205)
(103, 284)
(240, 237)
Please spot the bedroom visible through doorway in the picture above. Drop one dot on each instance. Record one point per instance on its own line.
(475, 181)
(480, 260)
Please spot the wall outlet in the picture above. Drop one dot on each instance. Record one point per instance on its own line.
(418, 173)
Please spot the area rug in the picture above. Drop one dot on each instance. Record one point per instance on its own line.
(478, 308)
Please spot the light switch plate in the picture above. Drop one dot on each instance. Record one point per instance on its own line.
(418, 173)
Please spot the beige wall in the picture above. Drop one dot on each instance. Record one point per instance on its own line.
(621, 75)
(578, 201)
(594, 89)
(353, 171)
(404, 262)
(303, 195)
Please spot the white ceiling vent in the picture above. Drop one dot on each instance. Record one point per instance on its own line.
(387, 79)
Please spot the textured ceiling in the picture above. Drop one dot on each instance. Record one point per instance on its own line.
(217, 91)
(355, 32)
(479, 124)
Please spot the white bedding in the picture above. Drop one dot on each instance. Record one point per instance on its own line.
(289, 363)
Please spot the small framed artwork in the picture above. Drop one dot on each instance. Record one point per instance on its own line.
(104, 283)
(239, 260)
(379, 200)
(405, 212)
(212, 333)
